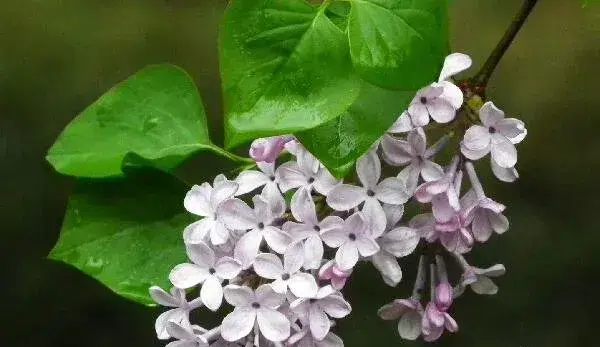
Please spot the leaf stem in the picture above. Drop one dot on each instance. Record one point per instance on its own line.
(491, 63)
(231, 156)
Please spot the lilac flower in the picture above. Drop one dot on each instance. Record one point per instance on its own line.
(331, 272)
(391, 190)
(351, 240)
(206, 269)
(309, 228)
(455, 234)
(268, 265)
(486, 213)
(504, 174)
(185, 335)
(409, 311)
(250, 180)
(434, 322)
(316, 309)
(497, 135)
(179, 313)
(237, 215)
(415, 154)
(439, 101)
(204, 201)
(442, 193)
(268, 149)
(305, 172)
(252, 307)
(477, 278)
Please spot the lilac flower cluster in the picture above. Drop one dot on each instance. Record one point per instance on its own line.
(279, 243)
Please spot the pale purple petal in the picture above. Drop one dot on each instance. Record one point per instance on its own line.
(418, 114)
(238, 324)
(303, 207)
(267, 297)
(347, 256)
(417, 141)
(391, 191)
(410, 177)
(222, 191)
(335, 306)
(187, 275)
(250, 180)
(473, 154)
(335, 237)
(503, 151)
(481, 228)
(431, 171)
(375, 217)
(366, 246)
(324, 182)
(409, 326)
(344, 197)
(219, 233)
(441, 110)
(402, 125)
(388, 267)
(498, 222)
(513, 129)
(313, 252)
(211, 293)
(454, 63)
(452, 93)
(368, 169)
(247, 247)
(268, 265)
(477, 138)
(197, 201)
(197, 231)
(484, 286)
(276, 238)
(397, 152)
(236, 215)
(393, 214)
(228, 268)
(490, 115)
(504, 174)
(290, 176)
(238, 296)
(318, 322)
(303, 285)
(161, 297)
(401, 241)
(273, 325)
(293, 258)
(201, 254)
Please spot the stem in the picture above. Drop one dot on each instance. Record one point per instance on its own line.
(441, 268)
(488, 68)
(475, 183)
(420, 279)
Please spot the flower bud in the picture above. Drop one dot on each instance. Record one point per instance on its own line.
(443, 296)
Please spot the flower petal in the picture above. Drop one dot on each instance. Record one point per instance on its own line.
(201, 254)
(401, 241)
(313, 252)
(247, 247)
(391, 191)
(455, 63)
(397, 152)
(481, 228)
(473, 154)
(513, 129)
(161, 297)
(366, 246)
(211, 293)
(290, 176)
(388, 267)
(238, 324)
(375, 217)
(238, 296)
(276, 238)
(441, 110)
(503, 151)
(249, 180)
(409, 326)
(303, 207)
(187, 275)
(484, 286)
(268, 265)
(293, 258)
(477, 138)
(267, 297)
(222, 191)
(228, 268)
(504, 174)
(490, 115)
(197, 201)
(344, 197)
(197, 231)
(303, 285)
(236, 215)
(418, 114)
(318, 322)
(347, 256)
(402, 125)
(324, 181)
(431, 171)
(368, 169)
(273, 325)
(452, 94)
(335, 237)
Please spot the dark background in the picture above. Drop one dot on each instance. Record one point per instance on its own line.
(56, 57)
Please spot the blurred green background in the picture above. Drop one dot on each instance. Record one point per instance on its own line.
(56, 57)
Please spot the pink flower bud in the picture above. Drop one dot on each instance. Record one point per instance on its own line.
(268, 149)
(443, 296)
(337, 276)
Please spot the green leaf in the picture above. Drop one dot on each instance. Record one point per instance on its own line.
(126, 233)
(285, 67)
(398, 44)
(157, 114)
(340, 142)
(588, 2)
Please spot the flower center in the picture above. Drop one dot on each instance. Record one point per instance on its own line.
(311, 180)
(255, 305)
(261, 225)
(352, 236)
(285, 277)
(272, 178)
(370, 193)
(312, 301)
(492, 130)
(212, 271)
(317, 228)
(423, 100)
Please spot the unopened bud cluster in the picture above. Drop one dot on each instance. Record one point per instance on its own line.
(274, 247)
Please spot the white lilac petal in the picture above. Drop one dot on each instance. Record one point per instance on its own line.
(273, 325)
(274, 198)
(290, 176)
(490, 115)
(473, 154)
(324, 182)
(418, 114)
(452, 93)
(346, 256)
(331, 223)
(503, 151)
(318, 322)
(409, 326)
(455, 63)
(200, 254)
(160, 326)
(393, 214)
(484, 286)
(237, 215)
(197, 231)
(388, 266)
(238, 324)
(508, 175)
(247, 247)
(335, 306)
(276, 238)
(331, 340)
(397, 152)
(431, 171)
(492, 271)
(293, 258)
(197, 201)
(219, 233)
(313, 252)
(238, 296)
(441, 110)
(303, 207)
(481, 228)
(375, 218)
(268, 265)
(335, 237)
(303, 285)
(368, 169)
(391, 191)
(267, 297)
(477, 138)
(222, 191)
(345, 197)
(161, 297)
(228, 268)
(187, 275)
(417, 141)
(366, 246)
(211, 293)
(410, 177)
(401, 241)
(513, 129)
(250, 180)
(498, 222)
